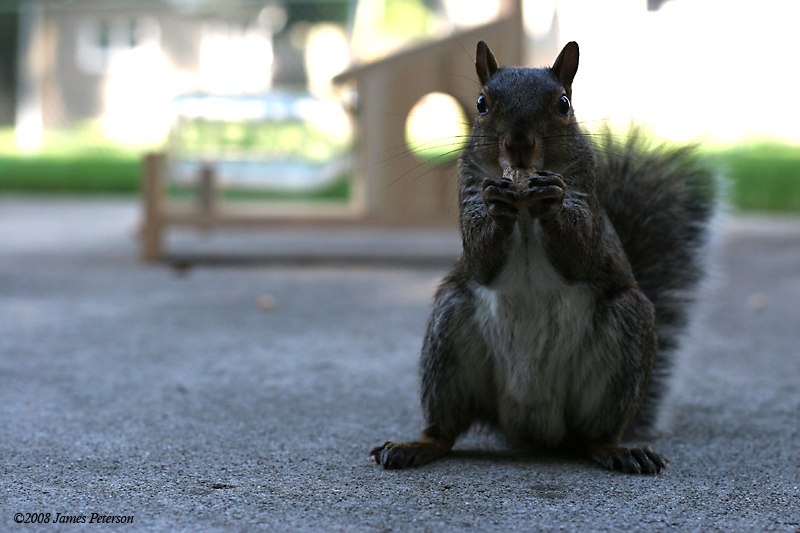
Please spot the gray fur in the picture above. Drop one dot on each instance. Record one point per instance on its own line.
(558, 322)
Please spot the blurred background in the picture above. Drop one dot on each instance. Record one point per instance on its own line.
(88, 86)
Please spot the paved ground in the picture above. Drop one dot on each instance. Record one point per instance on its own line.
(189, 401)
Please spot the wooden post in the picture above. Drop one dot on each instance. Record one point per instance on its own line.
(207, 190)
(152, 190)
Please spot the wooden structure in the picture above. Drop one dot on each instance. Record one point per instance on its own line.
(397, 189)
(389, 186)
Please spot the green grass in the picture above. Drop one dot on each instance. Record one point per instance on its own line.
(83, 161)
(76, 161)
(287, 139)
(85, 174)
(76, 174)
(763, 176)
(337, 190)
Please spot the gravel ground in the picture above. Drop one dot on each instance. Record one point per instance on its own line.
(245, 397)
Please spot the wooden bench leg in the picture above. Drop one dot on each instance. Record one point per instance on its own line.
(152, 190)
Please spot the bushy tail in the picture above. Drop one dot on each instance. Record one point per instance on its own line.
(660, 199)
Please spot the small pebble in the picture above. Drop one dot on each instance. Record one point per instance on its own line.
(267, 302)
(757, 302)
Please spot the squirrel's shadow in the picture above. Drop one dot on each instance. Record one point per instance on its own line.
(518, 456)
(484, 445)
(534, 459)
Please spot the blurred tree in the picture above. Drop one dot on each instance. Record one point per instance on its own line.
(8, 66)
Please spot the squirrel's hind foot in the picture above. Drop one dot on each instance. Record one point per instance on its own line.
(640, 460)
(394, 455)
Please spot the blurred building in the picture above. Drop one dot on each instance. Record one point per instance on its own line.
(123, 61)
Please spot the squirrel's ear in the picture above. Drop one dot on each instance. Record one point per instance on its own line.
(485, 63)
(566, 64)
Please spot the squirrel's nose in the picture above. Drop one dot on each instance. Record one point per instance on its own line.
(519, 148)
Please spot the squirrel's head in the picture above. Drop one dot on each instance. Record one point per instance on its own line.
(528, 110)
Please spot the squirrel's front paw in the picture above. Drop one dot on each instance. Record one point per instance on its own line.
(641, 460)
(501, 198)
(542, 194)
(394, 455)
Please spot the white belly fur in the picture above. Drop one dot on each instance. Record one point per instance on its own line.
(539, 331)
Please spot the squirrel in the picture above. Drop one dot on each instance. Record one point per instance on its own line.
(559, 321)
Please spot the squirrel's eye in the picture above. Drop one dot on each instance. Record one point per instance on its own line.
(482, 107)
(563, 105)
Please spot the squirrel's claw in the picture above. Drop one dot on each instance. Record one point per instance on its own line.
(542, 194)
(394, 455)
(500, 198)
(641, 460)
